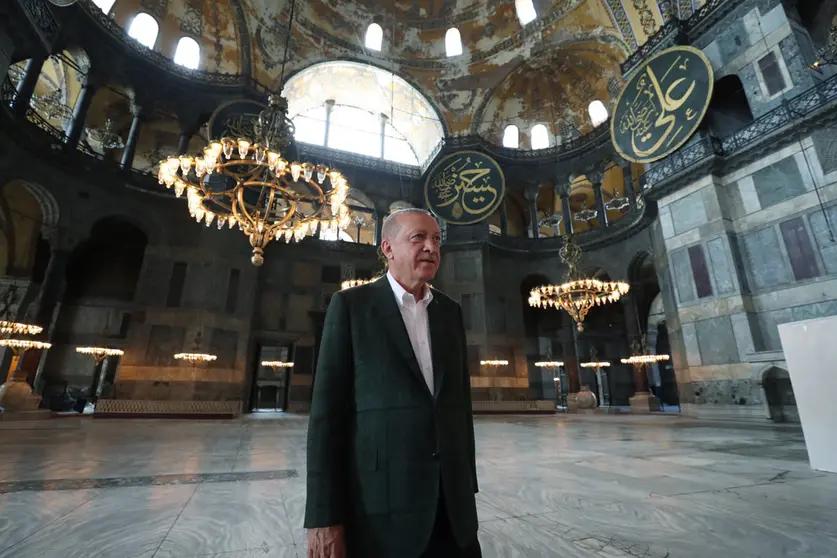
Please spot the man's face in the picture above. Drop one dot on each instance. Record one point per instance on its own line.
(413, 252)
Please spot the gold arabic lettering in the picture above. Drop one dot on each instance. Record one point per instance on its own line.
(470, 187)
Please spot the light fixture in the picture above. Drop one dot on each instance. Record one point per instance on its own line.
(552, 222)
(277, 364)
(641, 354)
(617, 203)
(99, 353)
(577, 295)
(196, 356)
(17, 328)
(105, 136)
(827, 56)
(246, 181)
(22, 345)
(494, 363)
(549, 364)
(16, 73)
(51, 106)
(586, 214)
(349, 283)
(595, 364)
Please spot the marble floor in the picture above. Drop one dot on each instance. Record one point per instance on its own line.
(595, 486)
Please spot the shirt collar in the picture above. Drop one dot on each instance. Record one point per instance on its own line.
(402, 296)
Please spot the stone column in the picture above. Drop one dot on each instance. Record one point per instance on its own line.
(628, 183)
(16, 395)
(384, 119)
(7, 48)
(379, 224)
(531, 195)
(133, 138)
(329, 106)
(85, 99)
(597, 177)
(642, 400)
(26, 87)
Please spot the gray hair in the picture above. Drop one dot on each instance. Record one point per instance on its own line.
(391, 227)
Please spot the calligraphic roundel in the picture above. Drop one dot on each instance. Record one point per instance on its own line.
(235, 119)
(662, 104)
(464, 187)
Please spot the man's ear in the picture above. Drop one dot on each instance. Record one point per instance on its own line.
(386, 248)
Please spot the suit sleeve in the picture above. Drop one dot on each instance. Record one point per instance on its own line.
(470, 408)
(327, 427)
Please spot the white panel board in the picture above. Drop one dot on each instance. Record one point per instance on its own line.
(811, 353)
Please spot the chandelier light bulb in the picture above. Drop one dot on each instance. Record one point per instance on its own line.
(308, 171)
(321, 173)
(272, 159)
(260, 152)
(228, 147)
(243, 147)
(296, 169)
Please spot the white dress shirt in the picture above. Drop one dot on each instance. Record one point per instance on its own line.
(414, 314)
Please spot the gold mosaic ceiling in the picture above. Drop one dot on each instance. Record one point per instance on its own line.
(248, 36)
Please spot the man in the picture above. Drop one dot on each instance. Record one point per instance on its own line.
(391, 466)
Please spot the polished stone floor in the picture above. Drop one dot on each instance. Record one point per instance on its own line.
(596, 486)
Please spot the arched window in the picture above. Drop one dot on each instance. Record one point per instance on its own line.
(144, 29)
(598, 113)
(105, 5)
(372, 112)
(374, 37)
(539, 137)
(188, 53)
(453, 42)
(511, 137)
(525, 11)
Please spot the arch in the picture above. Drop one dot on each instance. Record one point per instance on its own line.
(525, 11)
(105, 5)
(729, 109)
(188, 53)
(511, 137)
(49, 205)
(539, 137)
(144, 29)
(779, 396)
(374, 37)
(598, 113)
(453, 42)
(107, 265)
(412, 125)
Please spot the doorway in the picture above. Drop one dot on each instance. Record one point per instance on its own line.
(270, 384)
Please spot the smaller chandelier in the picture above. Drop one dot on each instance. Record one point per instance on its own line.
(827, 56)
(195, 358)
(349, 283)
(51, 106)
(595, 364)
(277, 364)
(586, 214)
(494, 362)
(577, 295)
(617, 203)
(17, 328)
(99, 353)
(552, 222)
(105, 136)
(20, 345)
(549, 364)
(645, 359)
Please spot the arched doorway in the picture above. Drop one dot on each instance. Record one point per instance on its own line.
(101, 283)
(729, 109)
(779, 397)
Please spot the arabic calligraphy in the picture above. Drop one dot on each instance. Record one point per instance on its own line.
(465, 187)
(662, 105)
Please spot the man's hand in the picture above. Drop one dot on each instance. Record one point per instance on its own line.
(327, 542)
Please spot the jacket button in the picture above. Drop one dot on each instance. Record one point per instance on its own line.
(436, 455)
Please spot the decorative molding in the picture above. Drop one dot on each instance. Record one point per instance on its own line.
(148, 407)
(40, 15)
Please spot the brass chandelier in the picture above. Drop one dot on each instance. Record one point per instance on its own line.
(246, 181)
(577, 295)
(827, 56)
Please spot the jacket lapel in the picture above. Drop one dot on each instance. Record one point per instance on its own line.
(393, 324)
(436, 321)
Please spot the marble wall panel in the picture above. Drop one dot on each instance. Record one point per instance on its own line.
(689, 212)
(717, 341)
(778, 182)
(764, 260)
(720, 263)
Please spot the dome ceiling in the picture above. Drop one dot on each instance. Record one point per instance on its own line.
(248, 36)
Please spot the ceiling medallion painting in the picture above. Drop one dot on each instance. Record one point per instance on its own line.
(465, 187)
(662, 105)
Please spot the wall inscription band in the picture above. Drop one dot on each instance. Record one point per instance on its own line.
(662, 105)
(465, 187)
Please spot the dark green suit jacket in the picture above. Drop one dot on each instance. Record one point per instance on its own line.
(380, 445)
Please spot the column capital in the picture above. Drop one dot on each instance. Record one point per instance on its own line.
(596, 177)
(531, 190)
